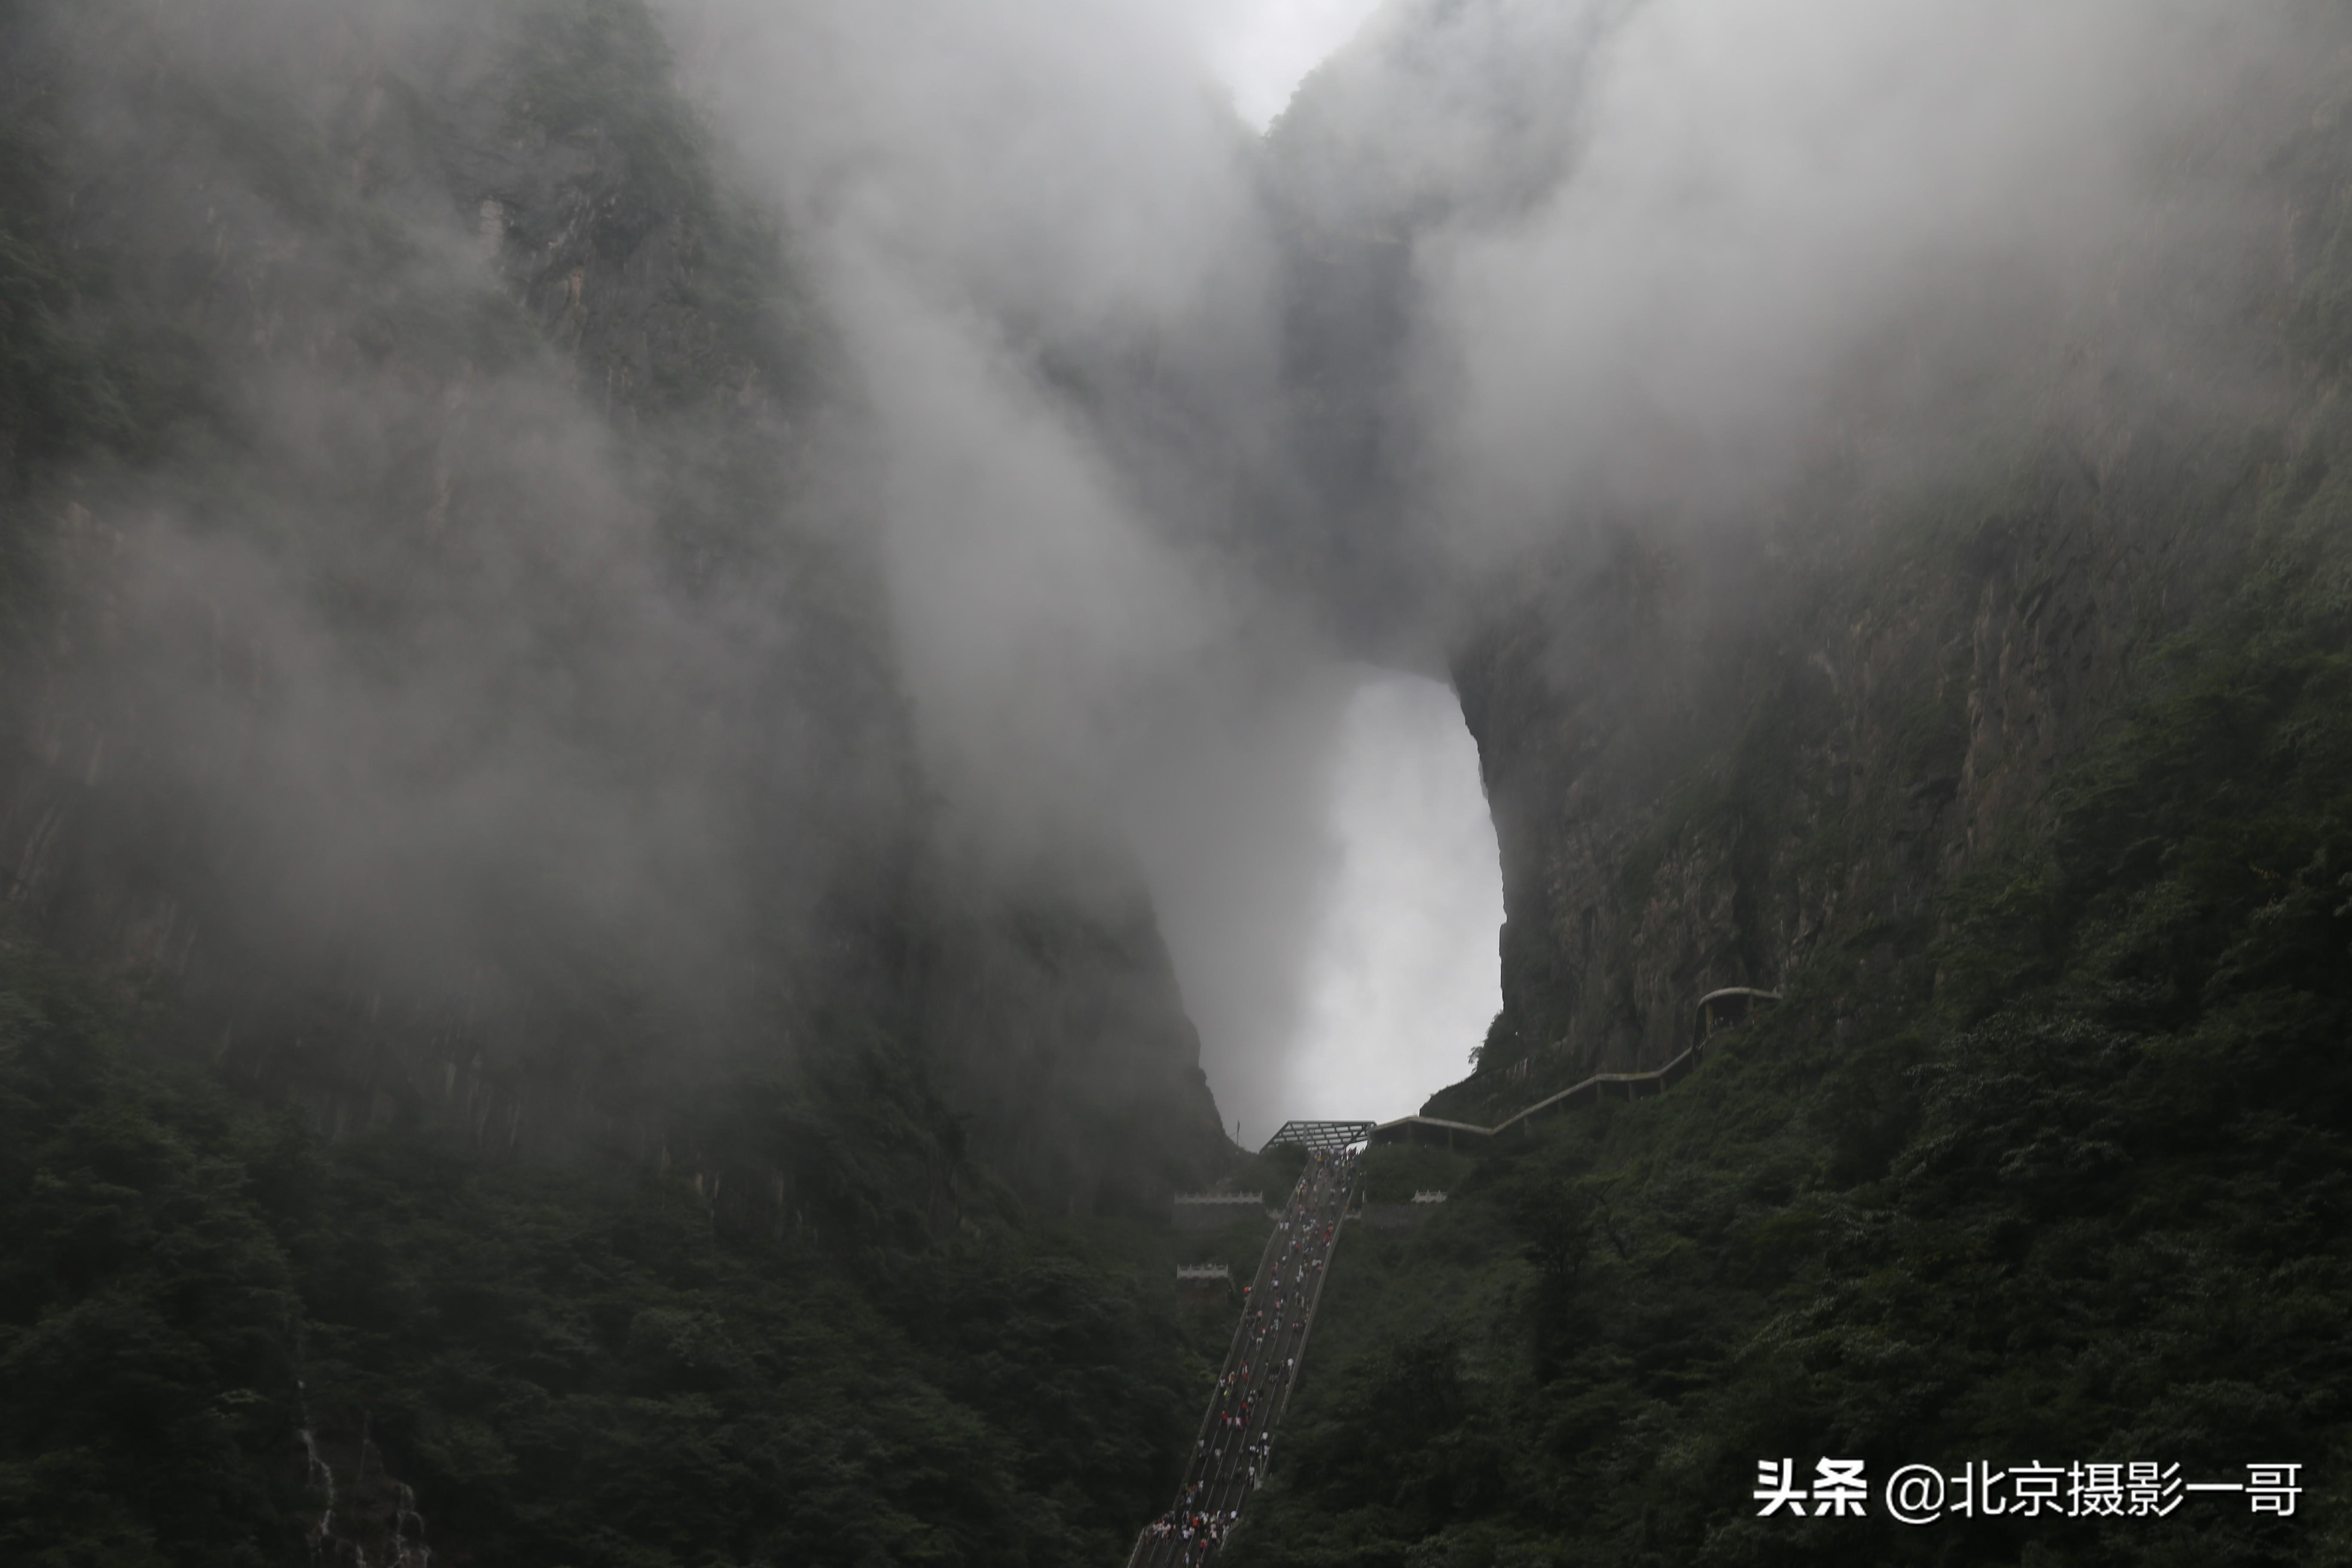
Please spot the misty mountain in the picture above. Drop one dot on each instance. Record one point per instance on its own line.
(668, 680)
(451, 702)
(1939, 619)
(455, 671)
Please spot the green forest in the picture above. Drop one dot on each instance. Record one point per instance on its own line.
(572, 1366)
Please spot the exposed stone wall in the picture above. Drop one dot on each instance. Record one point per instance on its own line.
(1713, 757)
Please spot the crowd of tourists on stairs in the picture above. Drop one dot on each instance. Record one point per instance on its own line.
(1236, 1441)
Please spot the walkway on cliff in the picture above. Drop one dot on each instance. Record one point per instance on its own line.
(1236, 1437)
(1231, 1456)
(1718, 1011)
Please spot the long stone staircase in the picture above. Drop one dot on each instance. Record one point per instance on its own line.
(1236, 1440)
(1236, 1437)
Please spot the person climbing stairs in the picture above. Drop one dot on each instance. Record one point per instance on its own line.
(1235, 1443)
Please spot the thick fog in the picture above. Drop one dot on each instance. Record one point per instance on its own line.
(1614, 257)
(1040, 230)
(1146, 432)
(1761, 200)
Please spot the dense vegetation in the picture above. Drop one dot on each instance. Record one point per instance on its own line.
(2068, 1182)
(567, 1366)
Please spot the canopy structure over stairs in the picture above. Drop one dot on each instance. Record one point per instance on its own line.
(1322, 1137)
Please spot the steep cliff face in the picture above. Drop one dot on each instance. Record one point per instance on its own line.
(450, 655)
(2005, 731)
(1744, 716)
(1056, 1026)
(1712, 762)
(1732, 742)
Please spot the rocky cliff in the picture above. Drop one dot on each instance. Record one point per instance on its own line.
(441, 658)
(1742, 723)
(1713, 764)
(1994, 710)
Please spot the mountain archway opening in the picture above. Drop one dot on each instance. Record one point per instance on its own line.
(1401, 976)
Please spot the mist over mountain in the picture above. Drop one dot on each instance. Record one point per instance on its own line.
(670, 689)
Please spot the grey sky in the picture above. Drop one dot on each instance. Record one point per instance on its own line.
(1259, 50)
